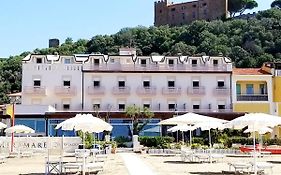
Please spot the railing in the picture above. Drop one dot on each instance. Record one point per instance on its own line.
(146, 90)
(52, 67)
(252, 97)
(278, 72)
(92, 90)
(171, 90)
(155, 67)
(34, 90)
(196, 90)
(65, 90)
(121, 90)
(221, 91)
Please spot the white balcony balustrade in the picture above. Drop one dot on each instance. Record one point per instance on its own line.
(222, 91)
(146, 90)
(124, 90)
(34, 90)
(171, 90)
(96, 90)
(200, 90)
(65, 90)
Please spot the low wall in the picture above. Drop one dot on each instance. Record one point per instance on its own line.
(40, 144)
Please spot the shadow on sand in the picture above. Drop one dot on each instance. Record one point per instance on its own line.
(181, 162)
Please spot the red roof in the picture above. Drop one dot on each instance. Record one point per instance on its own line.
(249, 71)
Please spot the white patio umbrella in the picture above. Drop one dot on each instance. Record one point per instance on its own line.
(2, 125)
(262, 130)
(254, 121)
(189, 119)
(181, 128)
(85, 123)
(19, 129)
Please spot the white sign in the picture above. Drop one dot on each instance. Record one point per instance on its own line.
(41, 144)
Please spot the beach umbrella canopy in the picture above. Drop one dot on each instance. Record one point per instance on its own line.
(211, 125)
(19, 129)
(85, 123)
(190, 119)
(2, 125)
(261, 130)
(181, 128)
(255, 121)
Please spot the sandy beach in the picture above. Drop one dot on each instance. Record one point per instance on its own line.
(159, 164)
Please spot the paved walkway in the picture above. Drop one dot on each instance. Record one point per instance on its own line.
(135, 165)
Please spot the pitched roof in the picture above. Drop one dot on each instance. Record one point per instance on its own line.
(249, 71)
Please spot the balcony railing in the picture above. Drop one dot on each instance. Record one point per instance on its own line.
(278, 72)
(65, 90)
(146, 90)
(171, 91)
(221, 91)
(196, 90)
(156, 67)
(92, 90)
(34, 90)
(252, 97)
(121, 90)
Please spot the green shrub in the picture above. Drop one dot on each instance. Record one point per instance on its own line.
(198, 140)
(121, 140)
(195, 145)
(156, 142)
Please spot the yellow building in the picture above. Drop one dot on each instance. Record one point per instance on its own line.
(252, 91)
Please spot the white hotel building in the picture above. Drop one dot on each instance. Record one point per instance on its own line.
(56, 87)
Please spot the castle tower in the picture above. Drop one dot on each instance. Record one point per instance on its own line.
(161, 12)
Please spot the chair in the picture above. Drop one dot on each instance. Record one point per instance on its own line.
(53, 161)
(240, 167)
(262, 166)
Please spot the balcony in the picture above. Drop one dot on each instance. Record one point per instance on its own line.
(146, 90)
(121, 90)
(156, 67)
(65, 90)
(252, 97)
(196, 90)
(34, 90)
(92, 90)
(221, 91)
(171, 91)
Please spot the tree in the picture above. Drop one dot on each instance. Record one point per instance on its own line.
(140, 117)
(276, 3)
(239, 6)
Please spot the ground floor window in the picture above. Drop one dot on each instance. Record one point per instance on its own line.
(39, 125)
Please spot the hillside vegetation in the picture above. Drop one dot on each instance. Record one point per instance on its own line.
(248, 43)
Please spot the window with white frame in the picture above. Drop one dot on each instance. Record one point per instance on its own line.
(220, 84)
(171, 83)
(121, 106)
(66, 83)
(67, 60)
(195, 83)
(196, 105)
(36, 83)
(39, 60)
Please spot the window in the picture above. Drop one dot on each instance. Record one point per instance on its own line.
(221, 106)
(96, 106)
(183, 15)
(204, 4)
(171, 62)
(146, 84)
(220, 84)
(194, 15)
(196, 106)
(121, 107)
(172, 106)
(194, 63)
(143, 62)
(262, 89)
(160, 11)
(146, 106)
(249, 89)
(215, 62)
(67, 61)
(96, 62)
(121, 84)
(173, 9)
(66, 106)
(36, 83)
(205, 11)
(96, 84)
(66, 83)
(238, 89)
(183, 7)
(39, 60)
(112, 60)
(171, 84)
(195, 83)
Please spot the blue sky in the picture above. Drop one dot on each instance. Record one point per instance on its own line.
(29, 24)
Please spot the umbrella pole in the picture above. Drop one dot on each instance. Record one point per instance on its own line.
(190, 137)
(255, 156)
(182, 137)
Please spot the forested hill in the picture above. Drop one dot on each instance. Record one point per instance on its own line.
(248, 43)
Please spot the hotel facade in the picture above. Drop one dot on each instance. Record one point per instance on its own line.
(56, 87)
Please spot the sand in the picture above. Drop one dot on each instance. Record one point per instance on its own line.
(161, 165)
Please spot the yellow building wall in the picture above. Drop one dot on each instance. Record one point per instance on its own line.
(277, 89)
(279, 109)
(256, 85)
(252, 107)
